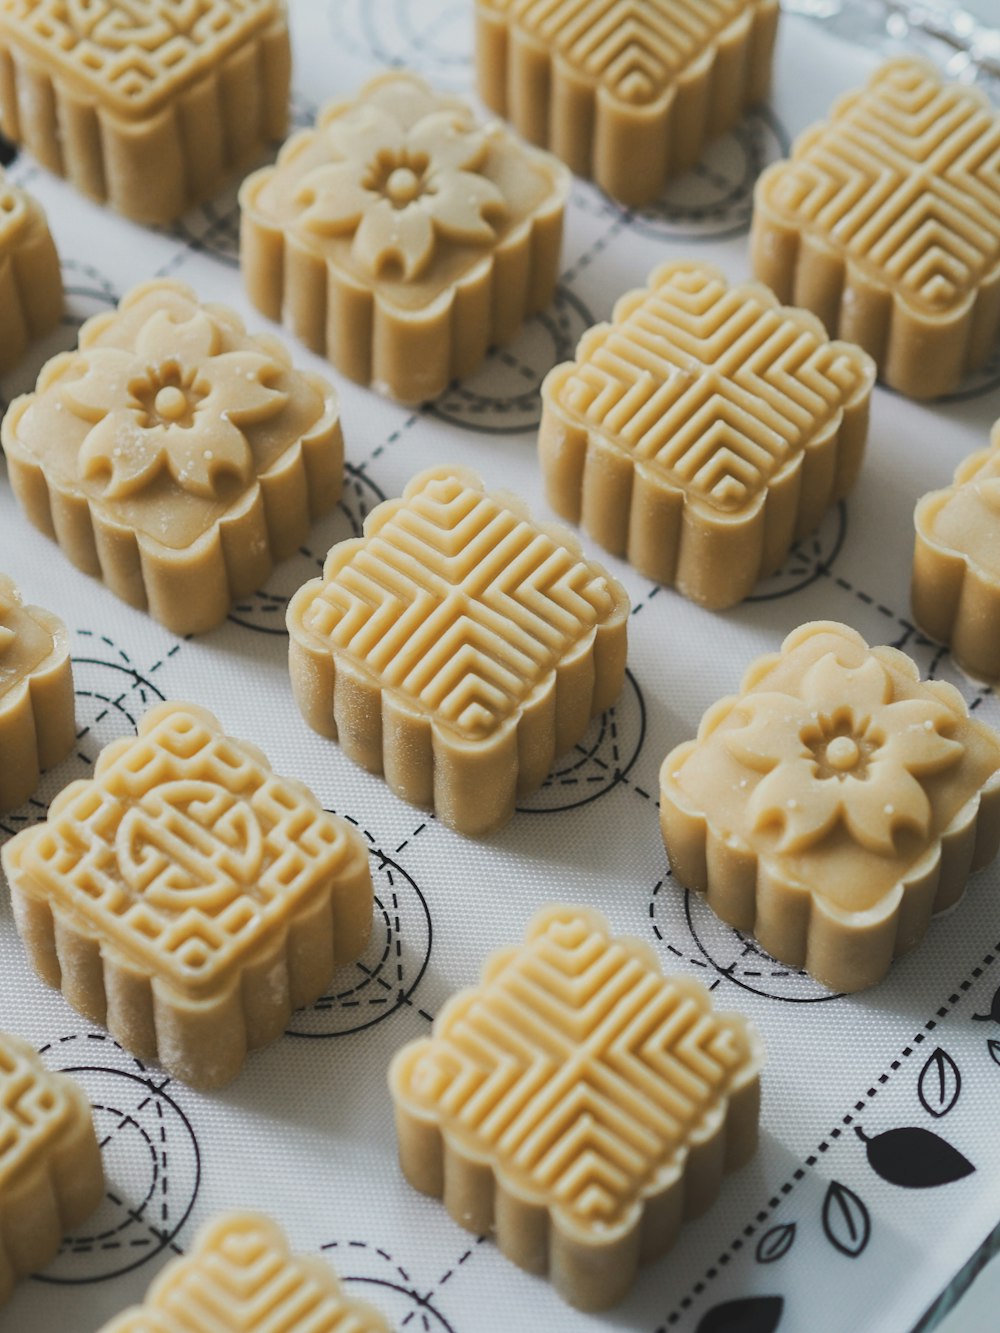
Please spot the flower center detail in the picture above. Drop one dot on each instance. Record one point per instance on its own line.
(402, 187)
(842, 754)
(841, 750)
(169, 395)
(170, 403)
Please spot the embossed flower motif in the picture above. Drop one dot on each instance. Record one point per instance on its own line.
(176, 404)
(843, 752)
(398, 190)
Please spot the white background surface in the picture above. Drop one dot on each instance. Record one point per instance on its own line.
(306, 1131)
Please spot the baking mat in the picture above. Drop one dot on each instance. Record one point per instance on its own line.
(821, 1232)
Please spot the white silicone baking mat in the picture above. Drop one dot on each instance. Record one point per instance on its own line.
(819, 1233)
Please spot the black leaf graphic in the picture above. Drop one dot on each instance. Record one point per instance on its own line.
(993, 1046)
(914, 1158)
(940, 1083)
(845, 1220)
(752, 1314)
(994, 1015)
(776, 1243)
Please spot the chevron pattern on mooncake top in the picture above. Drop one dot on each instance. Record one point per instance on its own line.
(578, 1069)
(633, 48)
(240, 1276)
(133, 52)
(714, 387)
(184, 851)
(459, 602)
(905, 179)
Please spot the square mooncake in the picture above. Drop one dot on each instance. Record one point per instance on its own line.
(240, 1263)
(886, 224)
(187, 897)
(400, 238)
(704, 430)
(37, 704)
(578, 1103)
(31, 290)
(175, 456)
(833, 805)
(956, 563)
(147, 104)
(457, 647)
(51, 1176)
(627, 92)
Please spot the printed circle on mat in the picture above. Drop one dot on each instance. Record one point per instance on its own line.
(715, 198)
(502, 397)
(741, 960)
(370, 1273)
(111, 696)
(432, 39)
(600, 761)
(152, 1162)
(808, 560)
(264, 610)
(384, 979)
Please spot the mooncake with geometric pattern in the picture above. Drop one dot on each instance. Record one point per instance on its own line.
(145, 104)
(457, 647)
(31, 290)
(37, 703)
(51, 1176)
(240, 1265)
(704, 430)
(885, 223)
(578, 1104)
(833, 805)
(188, 898)
(627, 92)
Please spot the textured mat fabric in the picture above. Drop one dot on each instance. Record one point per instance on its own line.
(824, 1230)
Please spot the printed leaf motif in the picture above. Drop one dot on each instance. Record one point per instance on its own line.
(993, 1046)
(940, 1083)
(776, 1243)
(914, 1158)
(845, 1220)
(994, 1015)
(752, 1314)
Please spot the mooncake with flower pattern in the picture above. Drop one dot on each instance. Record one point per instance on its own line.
(175, 456)
(401, 238)
(833, 805)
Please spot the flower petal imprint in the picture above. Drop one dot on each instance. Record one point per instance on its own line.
(401, 238)
(833, 805)
(174, 455)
